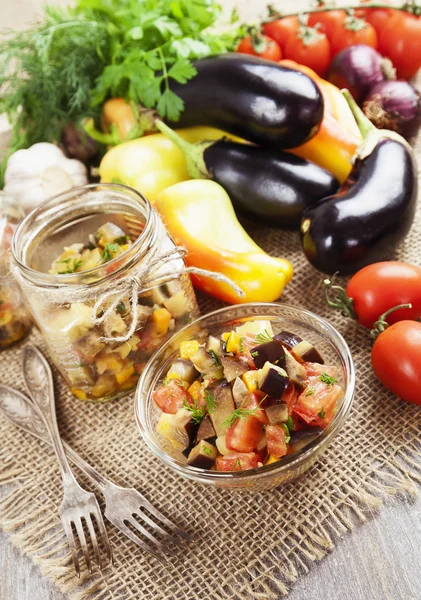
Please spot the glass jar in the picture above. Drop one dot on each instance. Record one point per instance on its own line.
(15, 320)
(101, 325)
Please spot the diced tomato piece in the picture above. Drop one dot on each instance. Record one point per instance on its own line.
(275, 435)
(252, 402)
(290, 396)
(317, 403)
(244, 434)
(315, 370)
(171, 397)
(237, 461)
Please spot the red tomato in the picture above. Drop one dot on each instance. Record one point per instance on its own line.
(252, 402)
(290, 396)
(262, 46)
(282, 30)
(317, 403)
(244, 434)
(309, 48)
(171, 397)
(396, 360)
(400, 40)
(328, 21)
(381, 286)
(353, 31)
(275, 435)
(237, 462)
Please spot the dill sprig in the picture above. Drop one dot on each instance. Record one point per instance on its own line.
(242, 413)
(215, 357)
(210, 401)
(109, 252)
(327, 379)
(197, 412)
(264, 337)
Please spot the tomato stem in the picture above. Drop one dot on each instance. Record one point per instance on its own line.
(381, 324)
(340, 300)
(409, 7)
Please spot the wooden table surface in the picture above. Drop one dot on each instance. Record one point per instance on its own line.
(379, 560)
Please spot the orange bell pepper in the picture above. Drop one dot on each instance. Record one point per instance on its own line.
(200, 217)
(334, 146)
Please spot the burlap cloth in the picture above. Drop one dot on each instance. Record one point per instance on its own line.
(247, 546)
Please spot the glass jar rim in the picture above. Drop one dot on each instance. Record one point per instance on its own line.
(139, 247)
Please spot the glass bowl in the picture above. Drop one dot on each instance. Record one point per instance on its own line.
(302, 322)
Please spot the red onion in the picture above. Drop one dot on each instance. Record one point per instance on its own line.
(394, 105)
(358, 68)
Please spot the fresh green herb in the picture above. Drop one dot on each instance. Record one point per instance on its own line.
(287, 433)
(241, 344)
(70, 267)
(290, 424)
(215, 357)
(236, 465)
(121, 308)
(310, 391)
(322, 413)
(89, 246)
(210, 401)
(198, 412)
(207, 451)
(124, 239)
(241, 413)
(254, 354)
(327, 379)
(264, 338)
(109, 252)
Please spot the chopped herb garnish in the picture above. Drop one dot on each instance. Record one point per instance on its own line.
(290, 424)
(310, 391)
(210, 401)
(207, 450)
(327, 379)
(121, 307)
(124, 239)
(264, 338)
(109, 252)
(322, 413)
(237, 465)
(70, 268)
(89, 246)
(241, 344)
(287, 434)
(215, 357)
(197, 412)
(241, 413)
(254, 354)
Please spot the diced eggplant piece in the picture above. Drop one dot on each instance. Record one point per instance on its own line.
(288, 339)
(184, 369)
(272, 380)
(307, 352)
(233, 367)
(202, 360)
(300, 439)
(296, 371)
(203, 455)
(206, 430)
(255, 327)
(214, 344)
(239, 392)
(179, 428)
(224, 406)
(277, 413)
(272, 352)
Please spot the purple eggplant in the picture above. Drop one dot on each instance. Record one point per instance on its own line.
(269, 352)
(300, 439)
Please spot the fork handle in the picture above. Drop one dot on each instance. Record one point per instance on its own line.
(39, 384)
(97, 479)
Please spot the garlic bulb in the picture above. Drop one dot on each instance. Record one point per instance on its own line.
(41, 171)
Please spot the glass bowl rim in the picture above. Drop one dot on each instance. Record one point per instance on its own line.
(287, 462)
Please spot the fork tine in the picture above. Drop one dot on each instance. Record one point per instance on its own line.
(94, 540)
(154, 511)
(103, 534)
(82, 541)
(150, 537)
(143, 516)
(135, 538)
(71, 541)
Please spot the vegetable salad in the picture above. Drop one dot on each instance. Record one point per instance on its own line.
(246, 398)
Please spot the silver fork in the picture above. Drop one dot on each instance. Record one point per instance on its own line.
(78, 505)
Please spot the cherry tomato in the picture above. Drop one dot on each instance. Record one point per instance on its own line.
(262, 46)
(381, 286)
(310, 48)
(329, 21)
(237, 461)
(400, 40)
(396, 360)
(171, 397)
(282, 30)
(353, 31)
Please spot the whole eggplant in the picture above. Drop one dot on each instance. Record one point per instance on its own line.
(272, 185)
(253, 98)
(365, 221)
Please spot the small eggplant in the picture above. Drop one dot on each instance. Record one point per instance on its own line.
(253, 98)
(268, 352)
(365, 221)
(271, 185)
(299, 347)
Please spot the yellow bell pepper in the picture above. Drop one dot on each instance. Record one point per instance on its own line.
(153, 162)
(199, 216)
(338, 138)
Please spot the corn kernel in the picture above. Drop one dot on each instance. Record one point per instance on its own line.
(233, 342)
(161, 318)
(194, 390)
(124, 374)
(187, 349)
(80, 394)
(250, 380)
